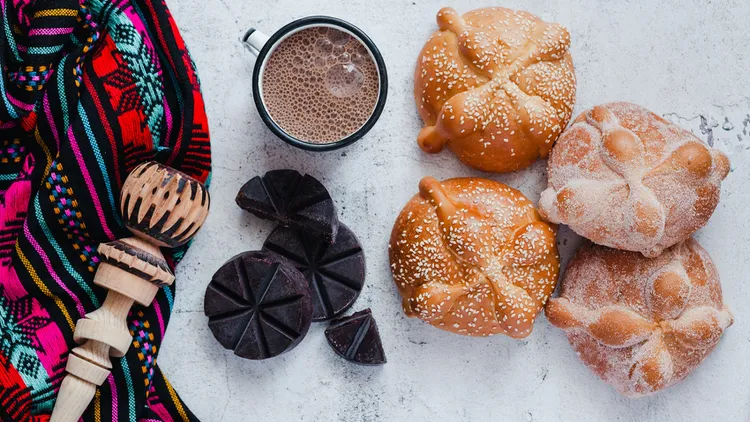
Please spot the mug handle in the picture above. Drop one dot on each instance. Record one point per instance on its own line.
(254, 40)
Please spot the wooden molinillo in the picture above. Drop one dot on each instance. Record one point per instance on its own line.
(163, 208)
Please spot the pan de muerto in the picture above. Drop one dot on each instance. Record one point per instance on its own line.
(496, 86)
(472, 256)
(641, 324)
(623, 177)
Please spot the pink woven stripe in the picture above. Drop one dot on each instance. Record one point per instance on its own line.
(157, 308)
(168, 116)
(113, 388)
(51, 121)
(50, 270)
(20, 104)
(89, 183)
(50, 31)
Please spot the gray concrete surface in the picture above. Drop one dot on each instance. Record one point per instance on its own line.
(687, 61)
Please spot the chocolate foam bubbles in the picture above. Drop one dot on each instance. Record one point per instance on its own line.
(320, 85)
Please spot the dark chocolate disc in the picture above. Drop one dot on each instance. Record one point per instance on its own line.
(356, 339)
(292, 200)
(336, 272)
(258, 305)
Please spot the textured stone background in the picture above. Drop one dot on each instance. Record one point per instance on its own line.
(689, 63)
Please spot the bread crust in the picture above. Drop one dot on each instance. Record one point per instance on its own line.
(623, 177)
(496, 86)
(641, 324)
(473, 256)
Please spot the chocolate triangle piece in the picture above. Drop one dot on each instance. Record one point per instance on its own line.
(335, 271)
(356, 339)
(258, 305)
(293, 200)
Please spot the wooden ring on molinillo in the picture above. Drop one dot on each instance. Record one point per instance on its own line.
(474, 257)
(641, 324)
(623, 177)
(162, 207)
(496, 86)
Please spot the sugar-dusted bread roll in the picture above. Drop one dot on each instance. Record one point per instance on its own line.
(472, 256)
(496, 86)
(641, 324)
(623, 177)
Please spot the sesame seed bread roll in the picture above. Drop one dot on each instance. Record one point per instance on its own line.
(474, 257)
(496, 86)
(641, 324)
(624, 177)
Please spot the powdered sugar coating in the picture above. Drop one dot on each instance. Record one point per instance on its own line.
(496, 85)
(641, 324)
(623, 177)
(472, 256)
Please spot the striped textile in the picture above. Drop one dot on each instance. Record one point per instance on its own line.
(88, 90)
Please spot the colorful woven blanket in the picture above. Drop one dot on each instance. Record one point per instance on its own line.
(89, 89)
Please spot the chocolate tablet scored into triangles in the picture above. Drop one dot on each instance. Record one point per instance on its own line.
(258, 305)
(292, 200)
(356, 339)
(335, 272)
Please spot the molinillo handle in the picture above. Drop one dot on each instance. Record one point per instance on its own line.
(162, 207)
(254, 40)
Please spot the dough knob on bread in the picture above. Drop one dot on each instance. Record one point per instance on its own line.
(693, 157)
(641, 324)
(622, 150)
(430, 140)
(472, 256)
(669, 293)
(449, 20)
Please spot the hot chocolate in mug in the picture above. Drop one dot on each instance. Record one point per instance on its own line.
(319, 83)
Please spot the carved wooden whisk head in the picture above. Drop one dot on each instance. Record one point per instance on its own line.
(162, 205)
